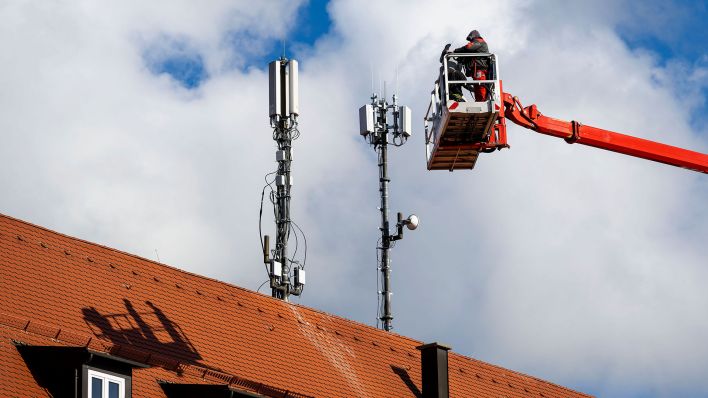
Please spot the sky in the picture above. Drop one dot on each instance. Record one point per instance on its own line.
(144, 127)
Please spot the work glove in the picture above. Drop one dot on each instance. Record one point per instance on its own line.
(446, 50)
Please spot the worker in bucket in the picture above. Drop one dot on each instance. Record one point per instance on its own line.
(454, 72)
(476, 67)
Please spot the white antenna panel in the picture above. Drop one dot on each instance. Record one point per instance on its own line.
(405, 121)
(285, 72)
(275, 79)
(366, 120)
(293, 86)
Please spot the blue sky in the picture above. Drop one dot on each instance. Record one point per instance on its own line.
(188, 69)
(678, 31)
(677, 35)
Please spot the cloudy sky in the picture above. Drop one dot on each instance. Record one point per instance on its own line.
(143, 126)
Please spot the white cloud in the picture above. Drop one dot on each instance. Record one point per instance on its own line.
(570, 263)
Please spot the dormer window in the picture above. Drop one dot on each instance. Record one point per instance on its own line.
(105, 385)
(66, 371)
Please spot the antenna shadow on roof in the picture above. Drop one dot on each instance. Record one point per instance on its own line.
(403, 374)
(147, 328)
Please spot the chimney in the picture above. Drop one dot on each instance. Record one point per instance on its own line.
(433, 359)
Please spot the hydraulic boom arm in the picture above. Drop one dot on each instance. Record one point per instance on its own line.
(574, 132)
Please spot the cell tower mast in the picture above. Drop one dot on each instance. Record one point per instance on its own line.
(284, 110)
(374, 127)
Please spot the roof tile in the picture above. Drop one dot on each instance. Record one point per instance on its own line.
(192, 329)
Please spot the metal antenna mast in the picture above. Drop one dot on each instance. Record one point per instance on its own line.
(374, 127)
(284, 110)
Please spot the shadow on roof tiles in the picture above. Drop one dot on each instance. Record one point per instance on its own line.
(151, 330)
(403, 374)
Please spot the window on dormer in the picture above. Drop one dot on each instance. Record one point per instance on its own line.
(105, 385)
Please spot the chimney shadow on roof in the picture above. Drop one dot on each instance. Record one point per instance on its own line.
(403, 374)
(148, 329)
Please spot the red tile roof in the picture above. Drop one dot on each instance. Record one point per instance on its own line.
(59, 290)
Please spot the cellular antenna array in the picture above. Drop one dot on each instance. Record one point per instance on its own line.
(374, 127)
(286, 275)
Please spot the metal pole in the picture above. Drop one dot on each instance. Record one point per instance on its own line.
(373, 125)
(386, 316)
(284, 110)
(283, 211)
(285, 220)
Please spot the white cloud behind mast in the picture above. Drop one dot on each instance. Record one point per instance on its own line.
(569, 263)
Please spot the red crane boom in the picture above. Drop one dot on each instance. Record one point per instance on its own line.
(574, 132)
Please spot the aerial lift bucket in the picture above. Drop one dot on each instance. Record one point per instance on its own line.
(457, 132)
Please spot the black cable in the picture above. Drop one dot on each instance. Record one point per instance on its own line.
(304, 238)
(378, 284)
(260, 214)
(279, 197)
(294, 131)
(260, 221)
(259, 287)
(296, 245)
(265, 178)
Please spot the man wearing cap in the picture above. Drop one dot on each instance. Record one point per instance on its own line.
(476, 67)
